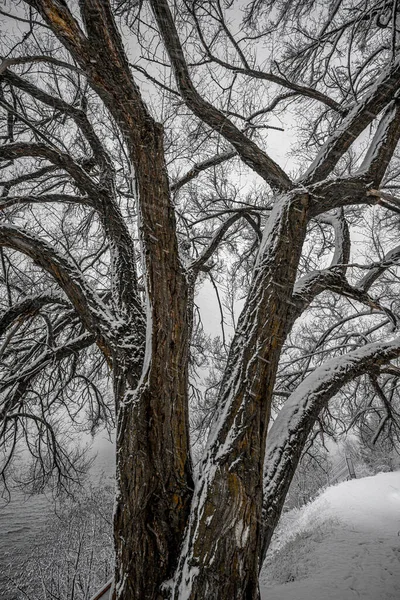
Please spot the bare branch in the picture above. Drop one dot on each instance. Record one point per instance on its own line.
(302, 90)
(249, 152)
(308, 287)
(93, 312)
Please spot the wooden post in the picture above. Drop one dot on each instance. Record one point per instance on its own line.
(350, 467)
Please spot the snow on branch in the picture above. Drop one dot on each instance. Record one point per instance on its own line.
(291, 428)
(341, 254)
(93, 312)
(383, 145)
(362, 114)
(347, 191)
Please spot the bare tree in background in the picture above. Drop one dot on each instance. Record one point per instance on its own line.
(131, 134)
(74, 553)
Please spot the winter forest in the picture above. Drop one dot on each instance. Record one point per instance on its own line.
(155, 153)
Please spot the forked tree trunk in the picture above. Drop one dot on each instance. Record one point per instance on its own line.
(221, 555)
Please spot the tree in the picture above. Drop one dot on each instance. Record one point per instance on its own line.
(92, 165)
(73, 555)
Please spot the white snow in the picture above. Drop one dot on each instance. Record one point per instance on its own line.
(343, 546)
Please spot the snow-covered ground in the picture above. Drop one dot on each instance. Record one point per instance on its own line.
(343, 546)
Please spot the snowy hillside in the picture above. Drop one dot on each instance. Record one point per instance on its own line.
(345, 545)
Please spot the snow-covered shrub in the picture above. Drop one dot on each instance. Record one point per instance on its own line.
(310, 478)
(73, 557)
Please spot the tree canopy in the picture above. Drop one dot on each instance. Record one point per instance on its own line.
(150, 148)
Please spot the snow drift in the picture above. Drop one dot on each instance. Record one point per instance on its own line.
(342, 546)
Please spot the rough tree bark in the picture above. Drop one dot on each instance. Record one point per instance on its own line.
(153, 458)
(174, 538)
(223, 535)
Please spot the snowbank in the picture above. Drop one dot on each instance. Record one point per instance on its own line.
(344, 545)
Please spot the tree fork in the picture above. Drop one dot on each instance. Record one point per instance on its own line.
(220, 557)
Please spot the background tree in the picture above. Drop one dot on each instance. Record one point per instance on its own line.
(73, 556)
(116, 208)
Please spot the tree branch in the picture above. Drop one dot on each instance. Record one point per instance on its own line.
(390, 259)
(302, 90)
(298, 417)
(58, 15)
(218, 236)
(45, 198)
(47, 357)
(341, 255)
(202, 166)
(28, 307)
(8, 184)
(122, 248)
(60, 159)
(78, 115)
(23, 60)
(307, 288)
(249, 152)
(93, 312)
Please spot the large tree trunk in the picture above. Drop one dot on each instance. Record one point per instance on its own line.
(154, 470)
(153, 487)
(154, 475)
(220, 558)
